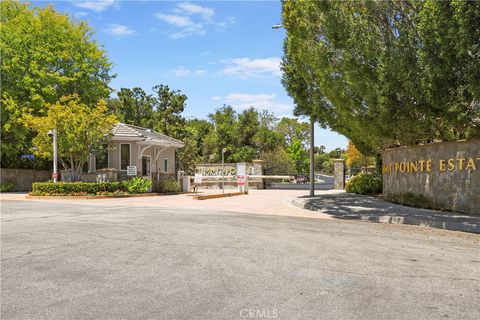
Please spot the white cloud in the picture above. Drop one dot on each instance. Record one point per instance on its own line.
(185, 72)
(246, 67)
(80, 14)
(225, 23)
(119, 30)
(259, 101)
(179, 21)
(192, 19)
(190, 8)
(186, 26)
(97, 6)
(181, 72)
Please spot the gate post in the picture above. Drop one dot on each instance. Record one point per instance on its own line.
(258, 171)
(339, 174)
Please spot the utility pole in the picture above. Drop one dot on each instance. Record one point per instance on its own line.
(223, 167)
(53, 133)
(312, 157)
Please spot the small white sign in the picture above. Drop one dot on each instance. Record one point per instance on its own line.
(198, 179)
(241, 169)
(131, 170)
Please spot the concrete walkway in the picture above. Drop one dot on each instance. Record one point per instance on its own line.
(342, 205)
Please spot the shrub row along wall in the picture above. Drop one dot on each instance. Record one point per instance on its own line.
(443, 175)
(22, 179)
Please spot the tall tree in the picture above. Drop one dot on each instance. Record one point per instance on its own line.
(385, 73)
(81, 131)
(292, 129)
(45, 55)
(168, 112)
(135, 107)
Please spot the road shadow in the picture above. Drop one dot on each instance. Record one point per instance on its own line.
(353, 206)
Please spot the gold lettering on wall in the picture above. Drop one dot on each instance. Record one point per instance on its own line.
(451, 164)
(441, 165)
(427, 165)
(471, 164)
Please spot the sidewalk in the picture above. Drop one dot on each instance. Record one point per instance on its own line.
(342, 205)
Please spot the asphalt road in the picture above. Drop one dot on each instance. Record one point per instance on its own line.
(64, 261)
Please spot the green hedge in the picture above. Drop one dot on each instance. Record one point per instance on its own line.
(365, 183)
(168, 186)
(78, 188)
(138, 185)
(6, 186)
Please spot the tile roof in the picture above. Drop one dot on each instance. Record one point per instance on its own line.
(129, 131)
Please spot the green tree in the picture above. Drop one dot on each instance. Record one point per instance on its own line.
(81, 131)
(135, 107)
(168, 112)
(385, 73)
(195, 132)
(222, 135)
(292, 129)
(298, 155)
(44, 55)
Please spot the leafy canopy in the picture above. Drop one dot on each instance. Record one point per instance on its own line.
(45, 55)
(385, 73)
(81, 130)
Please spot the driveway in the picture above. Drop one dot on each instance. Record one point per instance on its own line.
(134, 259)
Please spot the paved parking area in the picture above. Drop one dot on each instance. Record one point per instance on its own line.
(136, 259)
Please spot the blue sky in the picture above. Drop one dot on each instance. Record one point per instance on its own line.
(216, 52)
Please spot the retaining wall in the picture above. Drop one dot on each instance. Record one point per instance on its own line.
(22, 179)
(444, 175)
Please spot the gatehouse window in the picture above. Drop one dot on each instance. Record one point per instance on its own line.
(165, 165)
(101, 158)
(124, 156)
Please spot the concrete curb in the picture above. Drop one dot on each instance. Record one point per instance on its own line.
(135, 195)
(216, 196)
(438, 220)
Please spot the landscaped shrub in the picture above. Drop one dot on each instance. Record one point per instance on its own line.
(78, 188)
(364, 183)
(138, 185)
(6, 186)
(168, 185)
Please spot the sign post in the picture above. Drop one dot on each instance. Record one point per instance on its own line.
(242, 177)
(197, 181)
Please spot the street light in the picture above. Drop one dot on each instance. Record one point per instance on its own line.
(53, 133)
(312, 157)
(35, 149)
(312, 141)
(223, 166)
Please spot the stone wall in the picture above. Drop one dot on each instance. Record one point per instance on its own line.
(443, 175)
(339, 174)
(212, 172)
(22, 179)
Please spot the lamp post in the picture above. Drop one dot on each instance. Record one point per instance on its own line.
(312, 157)
(35, 149)
(312, 140)
(223, 171)
(53, 133)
